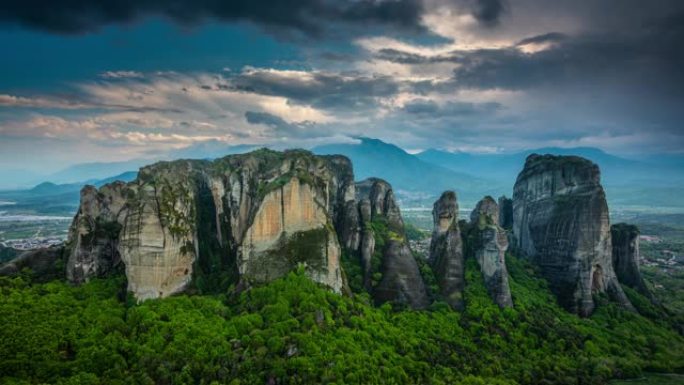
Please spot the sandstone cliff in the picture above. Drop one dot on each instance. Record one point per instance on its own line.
(446, 250)
(560, 222)
(250, 217)
(390, 271)
(625, 239)
(489, 243)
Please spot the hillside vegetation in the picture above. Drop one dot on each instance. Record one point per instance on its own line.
(293, 331)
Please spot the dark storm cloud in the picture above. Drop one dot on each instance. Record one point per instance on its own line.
(280, 127)
(488, 12)
(649, 57)
(431, 109)
(334, 91)
(312, 17)
(401, 57)
(552, 37)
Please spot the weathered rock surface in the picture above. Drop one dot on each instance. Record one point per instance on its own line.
(490, 243)
(256, 216)
(625, 240)
(382, 227)
(560, 222)
(446, 250)
(94, 234)
(45, 263)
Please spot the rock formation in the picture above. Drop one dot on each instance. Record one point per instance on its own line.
(489, 245)
(94, 234)
(560, 222)
(625, 239)
(390, 271)
(45, 263)
(256, 215)
(446, 250)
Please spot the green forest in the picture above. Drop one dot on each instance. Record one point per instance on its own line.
(293, 331)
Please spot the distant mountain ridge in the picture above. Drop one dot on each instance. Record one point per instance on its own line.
(647, 182)
(406, 172)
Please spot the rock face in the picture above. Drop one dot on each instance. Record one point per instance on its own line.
(625, 239)
(390, 271)
(446, 250)
(560, 222)
(251, 217)
(94, 234)
(490, 243)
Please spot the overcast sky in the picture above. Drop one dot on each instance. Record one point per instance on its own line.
(85, 81)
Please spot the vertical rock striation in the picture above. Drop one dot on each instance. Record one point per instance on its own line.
(390, 271)
(250, 217)
(489, 245)
(625, 239)
(560, 222)
(94, 234)
(446, 250)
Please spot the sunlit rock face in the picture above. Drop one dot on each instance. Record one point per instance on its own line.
(560, 222)
(248, 218)
(400, 280)
(446, 250)
(291, 227)
(625, 239)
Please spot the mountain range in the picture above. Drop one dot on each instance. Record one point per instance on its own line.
(652, 182)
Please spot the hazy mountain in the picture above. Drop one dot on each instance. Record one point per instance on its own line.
(96, 171)
(52, 198)
(407, 173)
(653, 181)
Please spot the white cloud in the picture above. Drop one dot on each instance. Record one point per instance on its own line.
(121, 74)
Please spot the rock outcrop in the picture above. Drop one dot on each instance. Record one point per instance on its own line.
(560, 222)
(446, 250)
(45, 264)
(250, 217)
(625, 240)
(390, 271)
(94, 234)
(489, 245)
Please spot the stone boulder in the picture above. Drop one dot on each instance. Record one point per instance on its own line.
(560, 222)
(446, 250)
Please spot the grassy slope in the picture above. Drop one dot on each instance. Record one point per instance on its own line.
(292, 331)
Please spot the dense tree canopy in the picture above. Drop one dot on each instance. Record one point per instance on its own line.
(293, 331)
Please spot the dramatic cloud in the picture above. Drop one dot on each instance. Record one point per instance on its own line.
(488, 11)
(324, 90)
(479, 75)
(311, 17)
